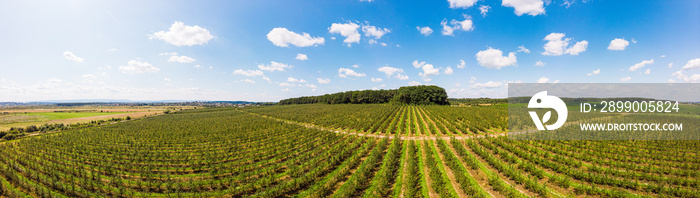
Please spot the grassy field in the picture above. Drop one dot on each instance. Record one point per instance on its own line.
(38, 115)
(353, 151)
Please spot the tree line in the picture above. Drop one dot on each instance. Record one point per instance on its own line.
(414, 95)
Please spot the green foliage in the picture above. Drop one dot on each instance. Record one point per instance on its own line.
(412, 95)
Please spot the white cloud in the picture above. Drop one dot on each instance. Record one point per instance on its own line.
(284, 84)
(493, 58)
(425, 30)
(595, 72)
(484, 9)
(625, 79)
(671, 80)
(345, 73)
(372, 41)
(355, 66)
(294, 80)
(462, 64)
(663, 56)
(648, 71)
(692, 64)
(401, 77)
(531, 7)
(489, 84)
(70, 56)
(618, 44)
(543, 80)
(472, 79)
(248, 80)
(372, 31)
(286, 90)
(428, 70)
(323, 80)
(281, 37)
(413, 83)
(312, 86)
(266, 78)
(348, 30)
(248, 72)
(167, 54)
(670, 65)
(376, 79)
(540, 64)
(557, 45)
(461, 3)
(695, 78)
(448, 29)
(523, 49)
(90, 76)
(136, 67)
(390, 71)
(180, 34)
(417, 64)
(198, 66)
(449, 70)
(181, 59)
(302, 57)
(383, 44)
(637, 66)
(634, 41)
(274, 66)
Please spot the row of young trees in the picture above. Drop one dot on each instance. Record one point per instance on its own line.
(412, 95)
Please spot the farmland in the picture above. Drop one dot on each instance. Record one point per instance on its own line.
(296, 151)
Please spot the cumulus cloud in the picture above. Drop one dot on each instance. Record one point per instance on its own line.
(181, 59)
(352, 35)
(372, 31)
(302, 57)
(637, 66)
(493, 58)
(248, 81)
(558, 45)
(167, 54)
(377, 79)
(425, 30)
(648, 71)
(180, 34)
(489, 84)
(546, 80)
(248, 72)
(695, 78)
(70, 56)
(531, 7)
(428, 70)
(465, 25)
(625, 79)
(348, 30)
(523, 49)
(413, 83)
(323, 80)
(540, 64)
(462, 64)
(595, 72)
(618, 44)
(484, 9)
(692, 64)
(461, 3)
(282, 37)
(294, 80)
(345, 73)
(274, 66)
(449, 70)
(137, 67)
(284, 84)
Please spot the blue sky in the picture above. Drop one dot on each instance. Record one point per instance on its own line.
(249, 50)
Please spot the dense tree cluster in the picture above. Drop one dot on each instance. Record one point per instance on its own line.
(420, 95)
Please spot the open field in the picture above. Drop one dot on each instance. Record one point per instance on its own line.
(257, 152)
(26, 116)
